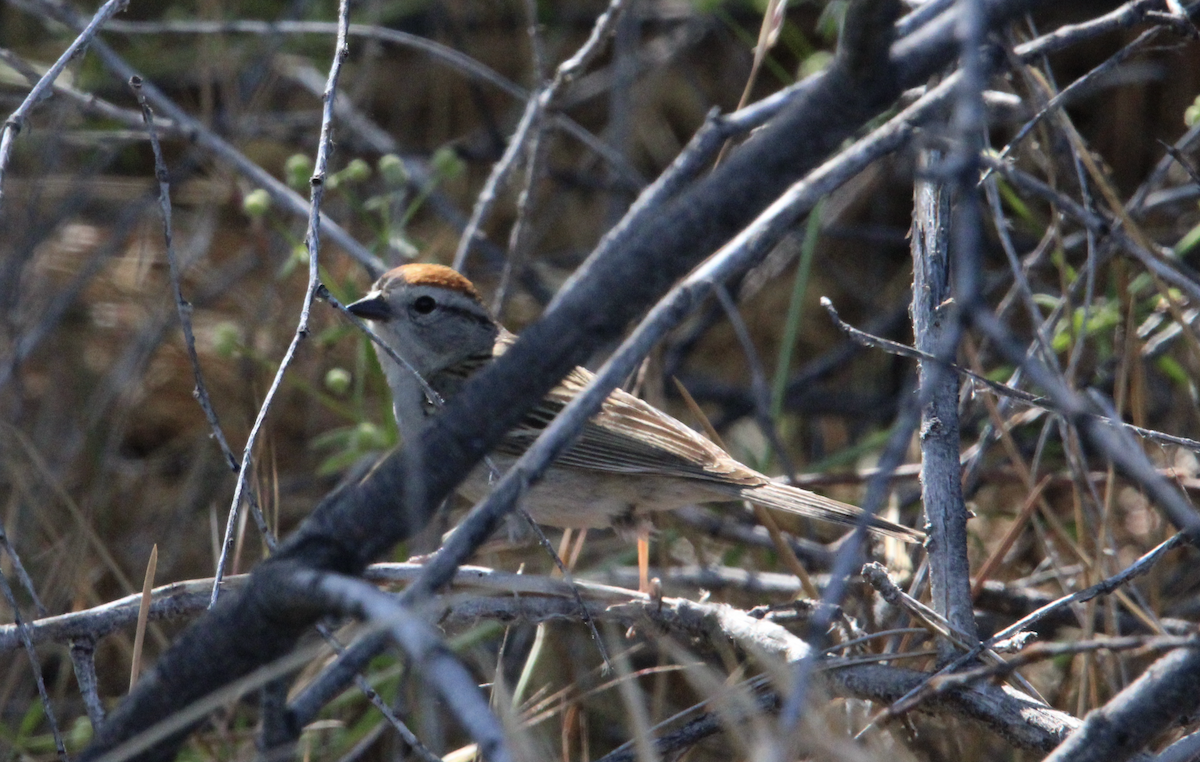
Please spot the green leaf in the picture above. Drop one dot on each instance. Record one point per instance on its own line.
(1171, 368)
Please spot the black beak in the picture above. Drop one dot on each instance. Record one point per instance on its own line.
(373, 307)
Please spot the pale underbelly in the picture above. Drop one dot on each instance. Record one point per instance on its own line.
(573, 498)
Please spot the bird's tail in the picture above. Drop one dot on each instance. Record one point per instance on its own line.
(801, 502)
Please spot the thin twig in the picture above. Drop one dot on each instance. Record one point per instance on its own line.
(16, 120)
(83, 658)
(35, 665)
(535, 155)
(540, 102)
(312, 241)
(1041, 402)
(182, 307)
(22, 575)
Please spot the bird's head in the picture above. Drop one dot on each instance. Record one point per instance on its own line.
(428, 314)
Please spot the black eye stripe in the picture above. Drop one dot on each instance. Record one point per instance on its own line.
(473, 314)
(425, 304)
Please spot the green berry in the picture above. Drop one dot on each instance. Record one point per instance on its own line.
(368, 436)
(357, 171)
(392, 168)
(446, 163)
(256, 203)
(226, 339)
(1191, 114)
(337, 380)
(298, 169)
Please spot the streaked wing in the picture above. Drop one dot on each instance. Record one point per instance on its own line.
(646, 441)
(628, 436)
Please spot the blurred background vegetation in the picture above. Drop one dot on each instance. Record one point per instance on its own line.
(105, 453)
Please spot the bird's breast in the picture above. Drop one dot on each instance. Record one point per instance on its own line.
(573, 498)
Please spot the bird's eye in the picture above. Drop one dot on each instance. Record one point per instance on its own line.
(424, 305)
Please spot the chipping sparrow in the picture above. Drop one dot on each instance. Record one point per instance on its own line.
(629, 460)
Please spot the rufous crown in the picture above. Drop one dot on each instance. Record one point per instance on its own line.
(425, 274)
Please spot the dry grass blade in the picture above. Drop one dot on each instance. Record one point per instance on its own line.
(139, 637)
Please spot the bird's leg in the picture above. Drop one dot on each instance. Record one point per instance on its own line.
(564, 545)
(576, 549)
(643, 554)
(631, 525)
